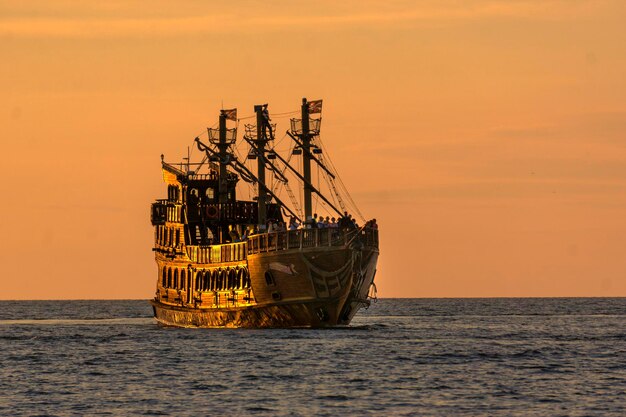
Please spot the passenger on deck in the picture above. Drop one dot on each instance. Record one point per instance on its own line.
(333, 224)
(234, 234)
(193, 205)
(320, 223)
(209, 236)
(314, 221)
(343, 221)
(293, 223)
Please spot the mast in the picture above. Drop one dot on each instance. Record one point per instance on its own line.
(245, 173)
(306, 160)
(261, 140)
(222, 145)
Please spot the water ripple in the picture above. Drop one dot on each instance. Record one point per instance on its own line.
(400, 357)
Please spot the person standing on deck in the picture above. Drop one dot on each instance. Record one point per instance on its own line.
(293, 223)
(266, 123)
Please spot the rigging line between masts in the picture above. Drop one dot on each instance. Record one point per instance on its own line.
(311, 156)
(244, 172)
(257, 138)
(311, 187)
(341, 184)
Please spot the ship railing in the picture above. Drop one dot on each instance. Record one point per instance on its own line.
(305, 238)
(211, 176)
(230, 136)
(278, 241)
(166, 211)
(174, 212)
(252, 132)
(209, 254)
(240, 212)
(314, 126)
(368, 236)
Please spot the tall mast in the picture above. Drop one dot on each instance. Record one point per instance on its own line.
(261, 140)
(245, 173)
(222, 145)
(306, 160)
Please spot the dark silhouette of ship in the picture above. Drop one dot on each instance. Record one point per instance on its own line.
(227, 262)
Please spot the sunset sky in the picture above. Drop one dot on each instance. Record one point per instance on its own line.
(488, 138)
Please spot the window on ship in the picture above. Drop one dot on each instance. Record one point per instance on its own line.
(173, 193)
(210, 193)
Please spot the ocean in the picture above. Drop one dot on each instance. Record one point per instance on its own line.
(422, 357)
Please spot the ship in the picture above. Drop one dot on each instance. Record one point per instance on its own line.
(225, 261)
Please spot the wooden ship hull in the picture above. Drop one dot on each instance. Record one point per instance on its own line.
(278, 284)
(221, 260)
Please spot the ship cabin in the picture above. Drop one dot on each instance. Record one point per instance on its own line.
(198, 217)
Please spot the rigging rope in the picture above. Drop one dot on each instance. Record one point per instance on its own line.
(279, 115)
(342, 185)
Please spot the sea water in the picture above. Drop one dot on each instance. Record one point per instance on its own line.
(445, 357)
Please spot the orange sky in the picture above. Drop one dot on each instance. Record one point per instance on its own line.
(487, 137)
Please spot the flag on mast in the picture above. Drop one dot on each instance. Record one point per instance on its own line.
(230, 114)
(315, 106)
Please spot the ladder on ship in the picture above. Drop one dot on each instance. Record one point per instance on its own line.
(331, 181)
(293, 199)
(283, 180)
